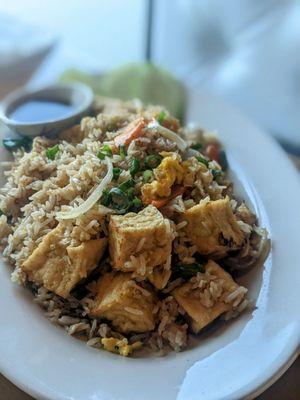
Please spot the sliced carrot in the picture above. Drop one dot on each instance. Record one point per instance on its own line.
(131, 132)
(176, 191)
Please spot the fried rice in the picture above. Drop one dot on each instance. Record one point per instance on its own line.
(46, 189)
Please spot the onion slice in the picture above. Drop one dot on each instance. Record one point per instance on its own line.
(92, 199)
(167, 133)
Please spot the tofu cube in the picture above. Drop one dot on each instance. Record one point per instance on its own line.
(207, 296)
(142, 243)
(59, 267)
(213, 228)
(129, 307)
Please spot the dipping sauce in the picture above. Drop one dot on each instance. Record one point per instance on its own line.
(40, 111)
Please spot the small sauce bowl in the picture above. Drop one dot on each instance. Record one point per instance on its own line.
(75, 98)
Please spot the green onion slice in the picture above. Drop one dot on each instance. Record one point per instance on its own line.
(153, 161)
(202, 160)
(52, 151)
(135, 166)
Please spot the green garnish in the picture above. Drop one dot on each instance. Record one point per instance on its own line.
(153, 161)
(116, 173)
(122, 150)
(136, 202)
(126, 185)
(105, 151)
(197, 146)
(223, 160)
(161, 116)
(202, 160)
(119, 199)
(52, 151)
(12, 144)
(147, 175)
(130, 193)
(135, 166)
(187, 271)
(1, 213)
(105, 198)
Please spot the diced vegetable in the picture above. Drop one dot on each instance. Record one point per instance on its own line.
(1, 213)
(52, 151)
(126, 185)
(93, 198)
(119, 199)
(122, 150)
(153, 160)
(162, 115)
(136, 204)
(105, 198)
(135, 166)
(176, 191)
(202, 160)
(12, 144)
(116, 172)
(197, 146)
(147, 175)
(131, 132)
(187, 271)
(105, 151)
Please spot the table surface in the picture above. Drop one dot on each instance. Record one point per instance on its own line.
(286, 388)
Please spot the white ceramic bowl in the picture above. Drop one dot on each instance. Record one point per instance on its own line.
(78, 95)
(236, 361)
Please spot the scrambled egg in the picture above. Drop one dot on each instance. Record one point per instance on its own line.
(120, 346)
(169, 172)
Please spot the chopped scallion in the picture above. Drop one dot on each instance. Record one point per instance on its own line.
(161, 116)
(147, 175)
(135, 166)
(197, 146)
(116, 173)
(52, 151)
(119, 199)
(105, 151)
(187, 271)
(202, 160)
(153, 161)
(105, 198)
(126, 185)
(122, 150)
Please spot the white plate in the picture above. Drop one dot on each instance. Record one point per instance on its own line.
(237, 360)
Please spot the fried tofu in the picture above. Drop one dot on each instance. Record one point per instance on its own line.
(207, 296)
(142, 243)
(59, 267)
(213, 228)
(128, 306)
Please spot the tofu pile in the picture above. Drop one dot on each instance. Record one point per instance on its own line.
(140, 252)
